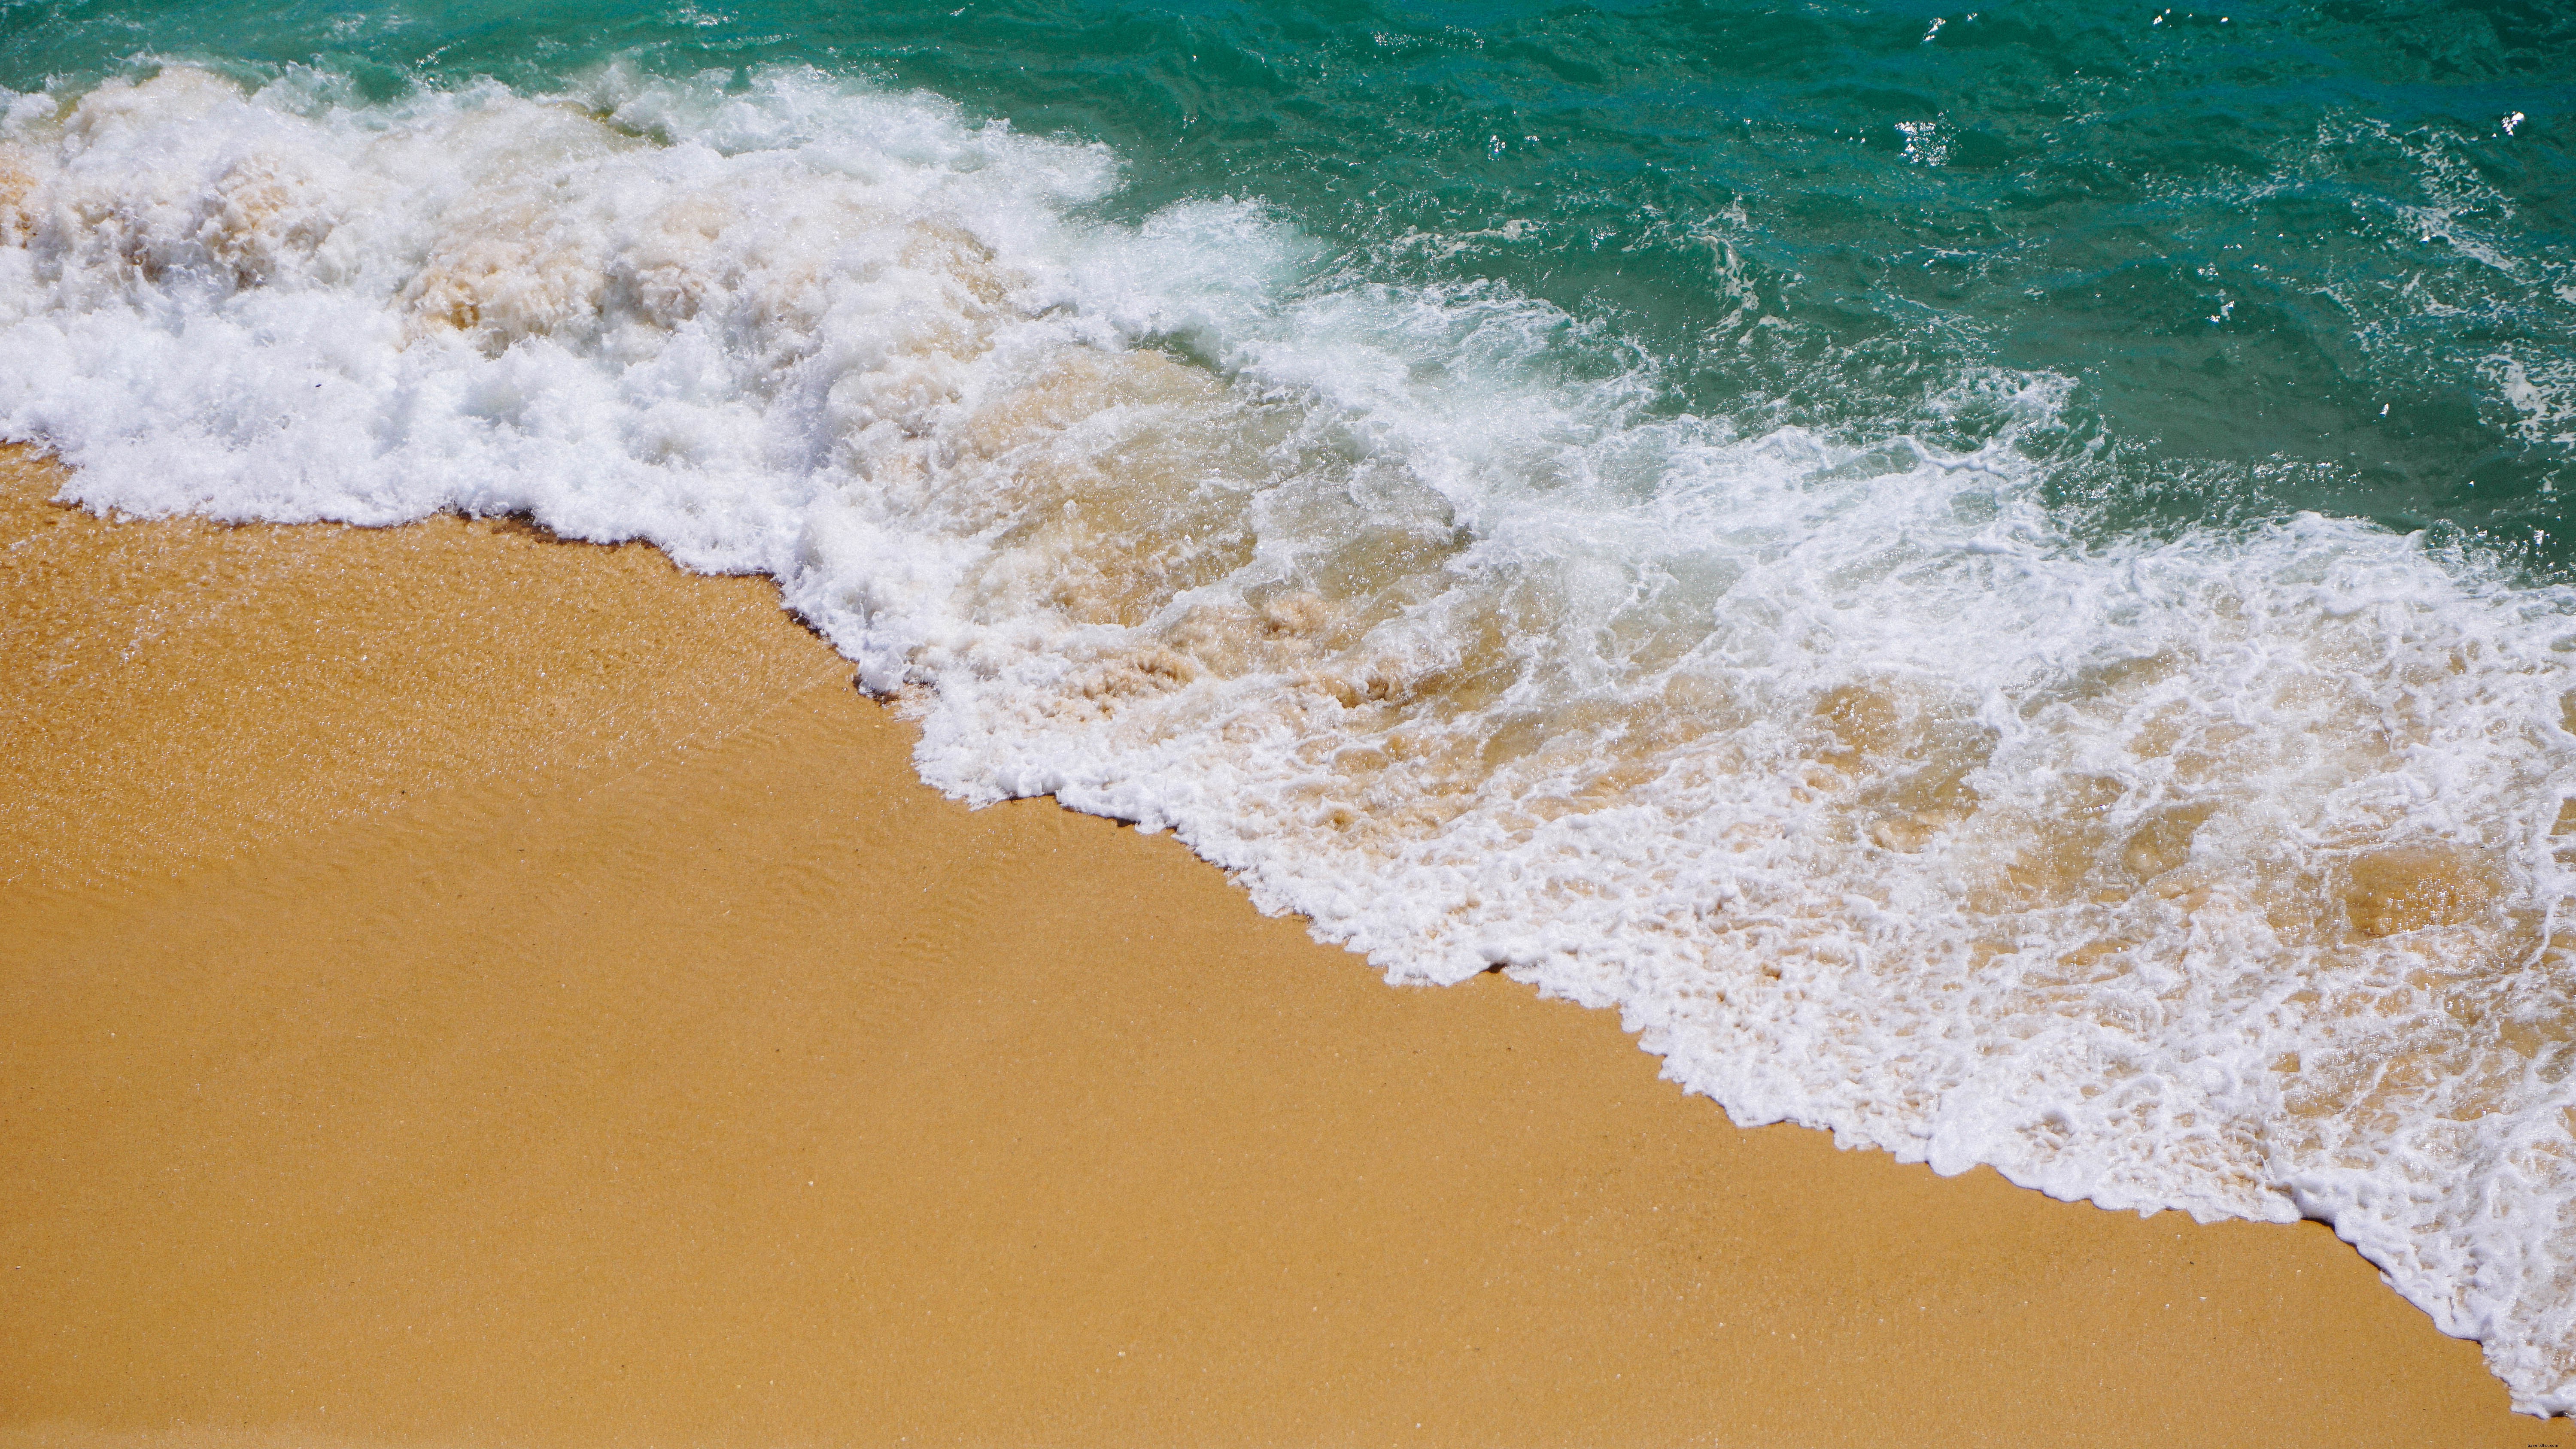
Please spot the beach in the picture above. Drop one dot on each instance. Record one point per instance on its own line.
(465, 988)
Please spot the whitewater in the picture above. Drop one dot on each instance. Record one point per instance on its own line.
(2222, 869)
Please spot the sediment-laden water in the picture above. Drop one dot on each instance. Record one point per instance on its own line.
(1994, 581)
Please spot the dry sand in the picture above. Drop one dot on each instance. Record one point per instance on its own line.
(458, 988)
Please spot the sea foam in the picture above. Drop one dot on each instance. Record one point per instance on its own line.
(2222, 872)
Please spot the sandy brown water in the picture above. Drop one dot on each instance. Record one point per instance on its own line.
(458, 988)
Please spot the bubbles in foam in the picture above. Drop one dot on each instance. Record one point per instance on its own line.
(2222, 872)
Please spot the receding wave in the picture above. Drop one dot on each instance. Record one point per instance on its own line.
(2214, 870)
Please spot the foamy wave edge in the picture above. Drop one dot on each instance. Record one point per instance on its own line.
(2225, 873)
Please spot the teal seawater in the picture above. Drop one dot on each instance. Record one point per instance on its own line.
(2293, 256)
(1852, 536)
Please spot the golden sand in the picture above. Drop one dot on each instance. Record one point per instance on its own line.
(458, 988)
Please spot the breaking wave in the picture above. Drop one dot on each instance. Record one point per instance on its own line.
(2221, 870)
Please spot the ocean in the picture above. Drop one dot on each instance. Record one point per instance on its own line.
(1993, 580)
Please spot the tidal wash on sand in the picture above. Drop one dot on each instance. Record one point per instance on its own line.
(2216, 866)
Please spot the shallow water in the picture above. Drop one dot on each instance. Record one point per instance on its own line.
(1994, 585)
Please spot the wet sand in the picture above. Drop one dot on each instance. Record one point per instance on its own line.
(459, 988)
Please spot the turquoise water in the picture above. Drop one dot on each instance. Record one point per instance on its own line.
(2288, 252)
(1993, 580)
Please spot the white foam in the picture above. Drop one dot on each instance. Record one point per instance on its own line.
(2219, 873)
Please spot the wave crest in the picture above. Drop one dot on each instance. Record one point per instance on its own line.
(2223, 872)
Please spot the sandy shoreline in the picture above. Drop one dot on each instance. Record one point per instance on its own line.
(461, 988)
